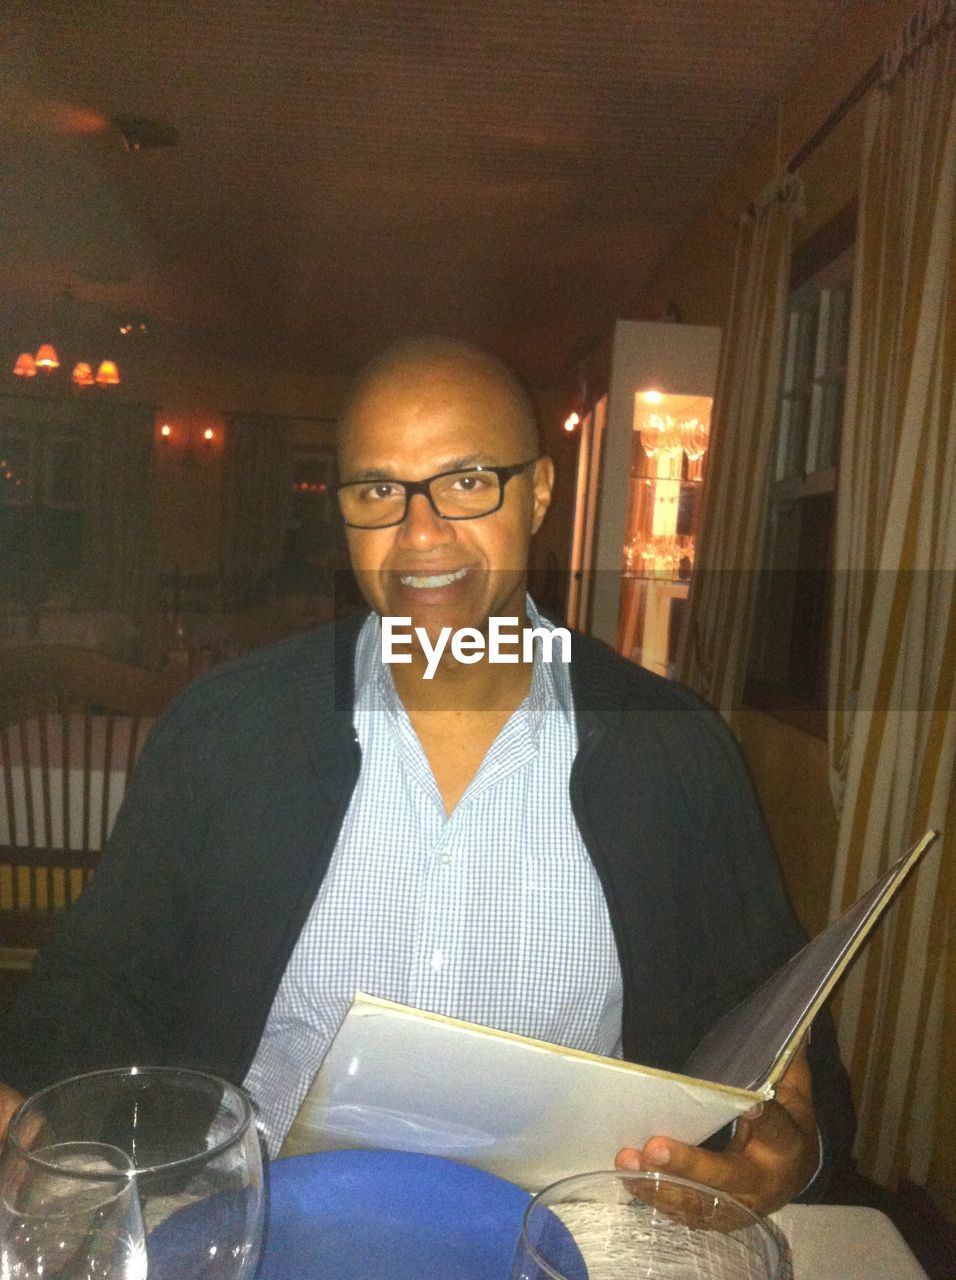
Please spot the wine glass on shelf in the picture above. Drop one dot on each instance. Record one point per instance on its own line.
(644, 1226)
(71, 1210)
(195, 1161)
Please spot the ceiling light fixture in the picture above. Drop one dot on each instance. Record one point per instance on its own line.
(46, 358)
(73, 324)
(47, 361)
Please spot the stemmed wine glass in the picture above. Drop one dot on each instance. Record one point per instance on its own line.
(195, 1162)
(69, 1210)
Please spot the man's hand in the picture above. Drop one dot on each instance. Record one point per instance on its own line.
(770, 1159)
(9, 1101)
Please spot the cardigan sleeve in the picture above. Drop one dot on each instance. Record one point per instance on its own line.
(767, 933)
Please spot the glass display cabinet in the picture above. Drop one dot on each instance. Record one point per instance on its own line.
(671, 434)
(640, 477)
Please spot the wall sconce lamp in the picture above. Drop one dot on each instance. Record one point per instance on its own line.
(580, 402)
(206, 440)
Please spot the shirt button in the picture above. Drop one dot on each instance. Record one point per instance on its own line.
(445, 859)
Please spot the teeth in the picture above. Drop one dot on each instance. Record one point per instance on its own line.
(435, 580)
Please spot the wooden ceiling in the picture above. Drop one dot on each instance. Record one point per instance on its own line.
(349, 173)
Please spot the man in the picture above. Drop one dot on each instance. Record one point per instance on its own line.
(569, 852)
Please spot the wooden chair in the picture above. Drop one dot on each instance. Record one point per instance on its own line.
(72, 724)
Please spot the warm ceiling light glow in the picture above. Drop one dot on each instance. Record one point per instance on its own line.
(47, 359)
(571, 421)
(165, 431)
(652, 397)
(83, 375)
(26, 366)
(107, 375)
(209, 434)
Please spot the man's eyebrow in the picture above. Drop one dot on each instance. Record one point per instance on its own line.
(372, 473)
(451, 464)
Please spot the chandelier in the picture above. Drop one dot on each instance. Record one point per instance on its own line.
(46, 362)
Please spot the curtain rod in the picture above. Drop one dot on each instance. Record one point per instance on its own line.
(843, 108)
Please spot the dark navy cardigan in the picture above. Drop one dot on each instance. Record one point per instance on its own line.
(174, 952)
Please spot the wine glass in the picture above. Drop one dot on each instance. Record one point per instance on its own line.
(632, 1226)
(69, 1210)
(195, 1155)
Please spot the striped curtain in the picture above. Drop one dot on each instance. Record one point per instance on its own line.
(713, 651)
(892, 715)
(118, 538)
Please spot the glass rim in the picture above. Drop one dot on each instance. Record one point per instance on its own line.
(121, 1176)
(200, 1157)
(648, 1175)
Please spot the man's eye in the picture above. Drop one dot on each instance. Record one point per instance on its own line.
(469, 483)
(379, 492)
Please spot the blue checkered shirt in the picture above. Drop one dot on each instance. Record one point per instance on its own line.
(492, 913)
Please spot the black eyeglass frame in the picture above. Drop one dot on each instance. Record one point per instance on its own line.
(423, 487)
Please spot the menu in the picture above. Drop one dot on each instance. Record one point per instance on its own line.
(532, 1112)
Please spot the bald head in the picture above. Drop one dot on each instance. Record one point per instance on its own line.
(436, 366)
(425, 411)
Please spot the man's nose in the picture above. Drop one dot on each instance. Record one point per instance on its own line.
(422, 526)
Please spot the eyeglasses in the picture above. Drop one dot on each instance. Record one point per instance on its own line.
(465, 494)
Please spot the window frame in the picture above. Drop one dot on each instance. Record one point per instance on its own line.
(40, 511)
(822, 268)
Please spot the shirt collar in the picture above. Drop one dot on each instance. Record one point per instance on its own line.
(550, 681)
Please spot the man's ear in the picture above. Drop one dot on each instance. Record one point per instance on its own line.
(543, 485)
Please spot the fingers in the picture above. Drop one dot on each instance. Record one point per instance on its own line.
(9, 1101)
(685, 1204)
(767, 1162)
(770, 1158)
(723, 1170)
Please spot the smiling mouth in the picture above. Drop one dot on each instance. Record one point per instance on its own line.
(431, 581)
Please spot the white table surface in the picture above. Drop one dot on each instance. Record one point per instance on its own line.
(837, 1242)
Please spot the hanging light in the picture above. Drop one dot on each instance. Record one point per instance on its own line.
(47, 359)
(107, 375)
(26, 366)
(83, 374)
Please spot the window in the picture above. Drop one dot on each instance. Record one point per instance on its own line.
(313, 537)
(41, 512)
(789, 644)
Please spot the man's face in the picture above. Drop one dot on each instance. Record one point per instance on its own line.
(413, 423)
